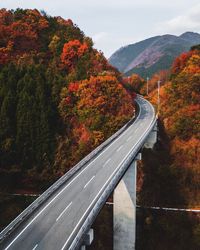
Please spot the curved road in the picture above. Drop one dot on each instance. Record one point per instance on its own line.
(55, 223)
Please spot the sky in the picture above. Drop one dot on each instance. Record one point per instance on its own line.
(116, 23)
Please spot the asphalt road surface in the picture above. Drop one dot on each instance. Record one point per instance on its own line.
(55, 223)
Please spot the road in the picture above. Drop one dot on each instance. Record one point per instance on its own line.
(55, 223)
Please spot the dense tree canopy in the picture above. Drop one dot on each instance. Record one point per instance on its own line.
(59, 97)
(180, 114)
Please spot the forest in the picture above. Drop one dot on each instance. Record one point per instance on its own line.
(169, 175)
(59, 98)
(179, 115)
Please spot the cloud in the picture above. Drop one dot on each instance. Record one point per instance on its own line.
(190, 21)
(116, 23)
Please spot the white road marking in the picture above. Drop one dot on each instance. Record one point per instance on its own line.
(35, 247)
(43, 209)
(106, 163)
(136, 120)
(89, 181)
(64, 211)
(120, 148)
(129, 138)
(103, 188)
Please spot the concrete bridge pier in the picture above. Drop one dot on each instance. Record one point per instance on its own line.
(88, 238)
(124, 213)
(152, 138)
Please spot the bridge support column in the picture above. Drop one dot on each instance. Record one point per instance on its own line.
(124, 214)
(152, 138)
(88, 238)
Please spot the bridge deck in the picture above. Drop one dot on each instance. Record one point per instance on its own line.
(56, 222)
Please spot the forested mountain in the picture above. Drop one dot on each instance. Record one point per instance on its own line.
(179, 115)
(59, 98)
(152, 55)
(169, 174)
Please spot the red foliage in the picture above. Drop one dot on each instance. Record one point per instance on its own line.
(68, 100)
(180, 62)
(82, 134)
(6, 17)
(22, 30)
(73, 87)
(72, 51)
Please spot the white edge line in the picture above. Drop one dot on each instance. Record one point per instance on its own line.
(105, 185)
(35, 247)
(89, 181)
(64, 211)
(70, 183)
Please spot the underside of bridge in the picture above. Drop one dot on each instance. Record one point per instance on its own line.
(124, 216)
(79, 195)
(124, 211)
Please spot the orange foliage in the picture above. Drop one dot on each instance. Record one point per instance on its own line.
(91, 110)
(64, 22)
(180, 108)
(72, 51)
(180, 62)
(21, 30)
(81, 134)
(161, 76)
(73, 87)
(99, 101)
(100, 64)
(102, 94)
(180, 114)
(133, 84)
(186, 153)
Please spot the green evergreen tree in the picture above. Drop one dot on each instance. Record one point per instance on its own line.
(26, 116)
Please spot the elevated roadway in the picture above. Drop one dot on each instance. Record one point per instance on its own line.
(57, 222)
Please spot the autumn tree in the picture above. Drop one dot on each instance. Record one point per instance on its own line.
(180, 113)
(59, 97)
(72, 51)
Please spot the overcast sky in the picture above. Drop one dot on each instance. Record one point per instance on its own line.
(116, 23)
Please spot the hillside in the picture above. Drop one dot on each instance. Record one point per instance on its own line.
(151, 55)
(179, 124)
(169, 174)
(180, 114)
(59, 98)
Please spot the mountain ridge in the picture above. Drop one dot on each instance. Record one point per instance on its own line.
(152, 54)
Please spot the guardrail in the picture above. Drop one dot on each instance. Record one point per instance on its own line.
(110, 185)
(52, 189)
